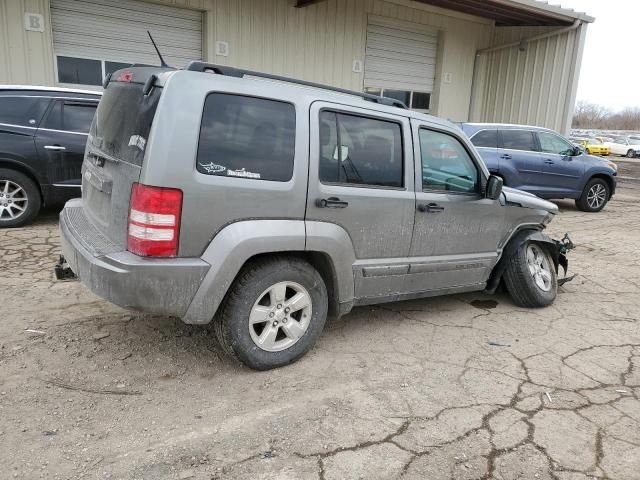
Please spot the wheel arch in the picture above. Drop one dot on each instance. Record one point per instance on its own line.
(524, 234)
(243, 242)
(603, 176)
(25, 170)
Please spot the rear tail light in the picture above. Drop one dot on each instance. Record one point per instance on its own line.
(154, 221)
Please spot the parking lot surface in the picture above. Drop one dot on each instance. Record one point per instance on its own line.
(465, 387)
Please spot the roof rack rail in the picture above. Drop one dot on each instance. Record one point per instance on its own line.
(197, 66)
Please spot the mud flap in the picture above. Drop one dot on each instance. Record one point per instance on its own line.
(557, 248)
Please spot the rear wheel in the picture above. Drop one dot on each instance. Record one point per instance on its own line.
(19, 199)
(530, 277)
(594, 196)
(273, 313)
(631, 154)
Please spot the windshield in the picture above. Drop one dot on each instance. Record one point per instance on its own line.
(123, 121)
(594, 141)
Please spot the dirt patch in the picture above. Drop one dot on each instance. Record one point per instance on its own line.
(412, 389)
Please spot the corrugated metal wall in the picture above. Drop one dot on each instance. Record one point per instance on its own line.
(25, 57)
(318, 43)
(529, 87)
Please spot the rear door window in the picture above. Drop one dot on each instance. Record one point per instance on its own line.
(70, 117)
(247, 137)
(24, 111)
(359, 150)
(518, 140)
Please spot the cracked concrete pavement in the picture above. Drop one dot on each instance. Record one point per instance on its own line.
(462, 387)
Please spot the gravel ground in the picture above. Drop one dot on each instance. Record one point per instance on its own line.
(464, 387)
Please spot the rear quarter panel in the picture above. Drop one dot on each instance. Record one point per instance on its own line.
(211, 202)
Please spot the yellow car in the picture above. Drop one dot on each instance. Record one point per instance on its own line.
(593, 146)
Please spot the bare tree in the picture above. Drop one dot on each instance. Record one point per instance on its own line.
(590, 115)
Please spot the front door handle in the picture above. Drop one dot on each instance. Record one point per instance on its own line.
(506, 156)
(331, 202)
(548, 161)
(430, 208)
(54, 147)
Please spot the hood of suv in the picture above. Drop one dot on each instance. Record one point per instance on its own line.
(528, 200)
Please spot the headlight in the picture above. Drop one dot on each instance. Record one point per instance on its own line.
(547, 219)
(613, 165)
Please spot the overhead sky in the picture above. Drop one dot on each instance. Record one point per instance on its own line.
(610, 74)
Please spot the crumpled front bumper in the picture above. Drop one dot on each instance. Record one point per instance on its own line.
(557, 248)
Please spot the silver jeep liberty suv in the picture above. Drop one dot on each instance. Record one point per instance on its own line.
(265, 204)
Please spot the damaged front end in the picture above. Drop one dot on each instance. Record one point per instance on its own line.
(558, 250)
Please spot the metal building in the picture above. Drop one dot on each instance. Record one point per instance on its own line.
(512, 61)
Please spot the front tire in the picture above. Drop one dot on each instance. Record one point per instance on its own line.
(594, 196)
(530, 277)
(19, 199)
(273, 314)
(631, 154)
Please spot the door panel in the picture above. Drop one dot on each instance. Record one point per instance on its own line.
(365, 187)
(457, 231)
(61, 140)
(562, 173)
(519, 158)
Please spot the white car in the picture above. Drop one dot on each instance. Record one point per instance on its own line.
(624, 146)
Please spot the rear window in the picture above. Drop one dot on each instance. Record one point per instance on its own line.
(123, 121)
(518, 140)
(24, 111)
(247, 137)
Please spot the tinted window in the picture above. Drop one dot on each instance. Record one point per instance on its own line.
(25, 111)
(370, 150)
(518, 140)
(550, 143)
(79, 70)
(401, 95)
(247, 137)
(71, 117)
(421, 101)
(486, 138)
(446, 164)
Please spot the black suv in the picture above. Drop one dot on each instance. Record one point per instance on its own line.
(43, 132)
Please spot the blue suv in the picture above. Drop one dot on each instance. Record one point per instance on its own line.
(542, 162)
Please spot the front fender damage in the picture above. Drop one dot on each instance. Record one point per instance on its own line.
(558, 250)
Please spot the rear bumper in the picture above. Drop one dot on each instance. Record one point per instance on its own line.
(154, 285)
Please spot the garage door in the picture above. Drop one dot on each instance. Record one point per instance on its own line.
(93, 37)
(400, 60)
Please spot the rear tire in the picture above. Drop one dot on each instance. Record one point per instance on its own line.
(631, 154)
(20, 199)
(595, 196)
(530, 277)
(273, 313)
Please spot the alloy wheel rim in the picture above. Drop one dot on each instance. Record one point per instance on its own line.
(280, 317)
(13, 200)
(596, 196)
(539, 268)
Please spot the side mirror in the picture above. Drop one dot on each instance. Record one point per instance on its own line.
(494, 187)
(577, 152)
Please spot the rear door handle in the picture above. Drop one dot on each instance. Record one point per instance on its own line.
(54, 147)
(506, 156)
(331, 202)
(430, 208)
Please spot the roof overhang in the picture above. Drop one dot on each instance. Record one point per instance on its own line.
(505, 12)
